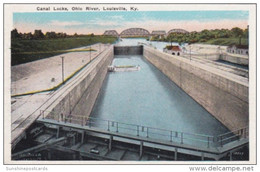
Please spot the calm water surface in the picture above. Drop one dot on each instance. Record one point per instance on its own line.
(149, 98)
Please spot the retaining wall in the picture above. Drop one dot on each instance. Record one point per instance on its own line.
(235, 58)
(79, 99)
(221, 94)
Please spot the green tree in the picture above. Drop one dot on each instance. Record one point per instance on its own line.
(245, 33)
(27, 36)
(38, 34)
(170, 37)
(15, 34)
(50, 35)
(236, 31)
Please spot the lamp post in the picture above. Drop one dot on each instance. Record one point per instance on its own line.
(62, 68)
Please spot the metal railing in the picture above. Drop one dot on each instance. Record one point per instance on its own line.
(200, 140)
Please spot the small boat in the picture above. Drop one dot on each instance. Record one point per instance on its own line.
(123, 68)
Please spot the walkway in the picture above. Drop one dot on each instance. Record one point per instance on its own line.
(38, 75)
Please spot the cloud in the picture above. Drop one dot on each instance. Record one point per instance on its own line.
(65, 23)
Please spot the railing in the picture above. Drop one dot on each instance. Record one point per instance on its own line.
(150, 132)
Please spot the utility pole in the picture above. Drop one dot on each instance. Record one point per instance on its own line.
(90, 52)
(190, 53)
(248, 35)
(62, 65)
(239, 39)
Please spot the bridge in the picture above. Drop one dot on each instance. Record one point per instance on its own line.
(177, 31)
(111, 33)
(158, 33)
(135, 32)
(140, 32)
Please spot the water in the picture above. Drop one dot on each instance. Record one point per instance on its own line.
(148, 98)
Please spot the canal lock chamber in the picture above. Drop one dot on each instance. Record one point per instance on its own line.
(145, 103)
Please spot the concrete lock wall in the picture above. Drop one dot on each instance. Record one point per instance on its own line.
(79, 99)
(233, 58)
(128, 50)
(225, 98)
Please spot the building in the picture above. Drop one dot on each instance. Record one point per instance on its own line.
(174, 50)
(238, 49)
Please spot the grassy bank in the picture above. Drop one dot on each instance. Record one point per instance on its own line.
(23, 51)
(226, 41)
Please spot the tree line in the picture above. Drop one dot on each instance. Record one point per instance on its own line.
(204, 35)
(38, 34)
(191, 37)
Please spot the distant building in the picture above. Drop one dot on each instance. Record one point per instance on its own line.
(173, 50)
(160, 33)
(111, 33)
(238, 49)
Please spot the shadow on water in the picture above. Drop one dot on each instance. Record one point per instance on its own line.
(190, 104)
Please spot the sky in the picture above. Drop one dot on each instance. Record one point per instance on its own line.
(98, 22)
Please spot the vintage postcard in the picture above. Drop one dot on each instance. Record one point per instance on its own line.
(130, 83)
